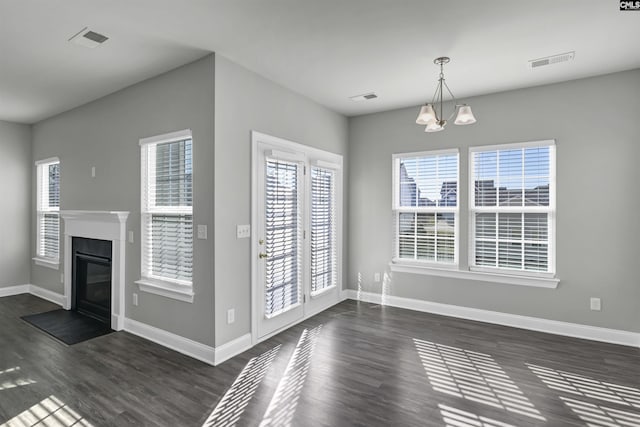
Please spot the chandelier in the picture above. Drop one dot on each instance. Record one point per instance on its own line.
(429, 114)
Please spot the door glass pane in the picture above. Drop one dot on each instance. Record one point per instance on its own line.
(282, 237)
(323, 231)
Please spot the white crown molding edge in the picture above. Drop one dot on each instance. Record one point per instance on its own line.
(575, 330)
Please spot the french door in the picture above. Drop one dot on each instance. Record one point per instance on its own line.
(297, 232)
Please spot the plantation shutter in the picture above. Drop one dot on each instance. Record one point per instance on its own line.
(168, 210)
(512, 207)
(283, 232)
(323, 229)
(48, 210)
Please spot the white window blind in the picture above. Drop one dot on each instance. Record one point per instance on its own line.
(323, 230)
(283, 229)
(167, 208)
(513, 206)
(426, 207)
(48, 209)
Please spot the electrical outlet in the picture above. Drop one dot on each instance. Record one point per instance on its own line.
(243, 231)
(596, 304)
(231, 316)
(202, 232)
(135, 299)
(376, 277)
(130, 236)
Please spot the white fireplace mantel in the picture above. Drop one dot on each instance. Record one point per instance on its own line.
(103, 225)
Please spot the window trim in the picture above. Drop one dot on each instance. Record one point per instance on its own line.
(180, 290)
(551, 210)
(396, 209)
(39, 259)
(482, 276)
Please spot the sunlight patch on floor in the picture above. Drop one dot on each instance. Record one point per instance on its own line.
(235, 400)
(6, 384)
(585, 386)
(458, 418)
(50, 412)
(282, 407)
(601, 416)
(473, 376)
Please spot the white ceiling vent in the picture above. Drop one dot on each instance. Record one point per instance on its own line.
(363, 97)
(88, 38)
(555, 59)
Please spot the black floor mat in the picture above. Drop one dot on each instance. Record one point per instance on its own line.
(69, 327)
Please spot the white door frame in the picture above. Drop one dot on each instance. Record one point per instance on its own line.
(311, 153)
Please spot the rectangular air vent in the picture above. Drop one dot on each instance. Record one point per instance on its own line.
(363, 97)
(555, 59)
(88, 38)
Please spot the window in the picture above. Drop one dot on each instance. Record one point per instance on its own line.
(513, 207)
(426, 207)
(323, 229)
(167, 210)
(48, 211)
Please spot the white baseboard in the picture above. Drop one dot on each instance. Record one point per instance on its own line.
(232, 348)
(43, 293)
(170, 340)
(595, 333)
(202, 352)
(14, 290)
(50, 296)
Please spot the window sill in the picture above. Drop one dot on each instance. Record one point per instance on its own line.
(508, 279)
(166, 289)
(47, 262)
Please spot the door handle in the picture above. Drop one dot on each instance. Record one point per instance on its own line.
(262, 255)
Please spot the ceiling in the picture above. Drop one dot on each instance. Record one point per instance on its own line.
(326, 50)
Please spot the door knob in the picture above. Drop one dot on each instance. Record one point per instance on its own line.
(262, 255)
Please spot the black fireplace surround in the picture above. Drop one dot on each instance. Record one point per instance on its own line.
(91, 282)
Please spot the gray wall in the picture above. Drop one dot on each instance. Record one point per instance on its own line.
(105, 134)
(595, 123)
(246, 101)
(15, 231)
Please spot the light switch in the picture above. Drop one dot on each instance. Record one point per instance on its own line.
(130, 236)
(243, 231)
(93, 171)
(202, 231)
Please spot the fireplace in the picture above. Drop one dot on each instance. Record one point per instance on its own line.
(91, 281)
(107, 228)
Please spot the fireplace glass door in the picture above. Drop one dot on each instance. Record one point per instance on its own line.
(93, 286)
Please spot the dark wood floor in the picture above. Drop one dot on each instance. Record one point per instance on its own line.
(356, 364)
